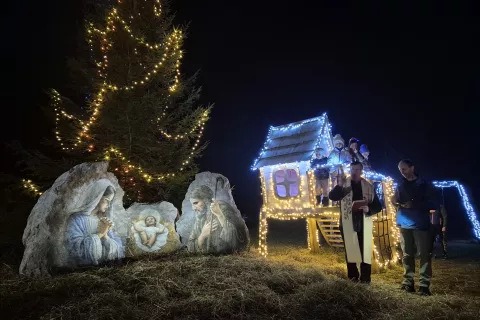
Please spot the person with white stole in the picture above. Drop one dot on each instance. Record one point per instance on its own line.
(358, 203)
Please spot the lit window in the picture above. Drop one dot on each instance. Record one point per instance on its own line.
(286, 183)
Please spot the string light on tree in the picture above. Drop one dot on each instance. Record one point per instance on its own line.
(133, 80)
(31, 187)
(171, 49)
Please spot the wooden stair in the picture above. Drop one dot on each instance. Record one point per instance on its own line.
(330, 229)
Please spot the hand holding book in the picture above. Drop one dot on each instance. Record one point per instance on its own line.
(359, 205)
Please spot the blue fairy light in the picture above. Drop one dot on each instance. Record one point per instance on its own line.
(472, 215)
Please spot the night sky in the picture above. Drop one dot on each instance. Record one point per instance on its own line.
(402, 78)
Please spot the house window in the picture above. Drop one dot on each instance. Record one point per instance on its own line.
(286, 183)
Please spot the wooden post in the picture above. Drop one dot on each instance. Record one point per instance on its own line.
(262, 233)
(313, 235)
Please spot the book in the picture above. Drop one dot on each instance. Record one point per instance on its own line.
(356, 205)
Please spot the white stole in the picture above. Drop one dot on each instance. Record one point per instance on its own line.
(352, 246)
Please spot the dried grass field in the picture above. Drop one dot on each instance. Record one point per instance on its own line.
(291, 283)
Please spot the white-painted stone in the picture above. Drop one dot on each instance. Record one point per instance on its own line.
(231, 237)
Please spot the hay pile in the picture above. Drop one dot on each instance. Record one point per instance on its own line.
(290, 284)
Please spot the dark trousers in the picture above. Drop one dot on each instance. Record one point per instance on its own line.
(411, 241)
(437, 231)
(365, 268)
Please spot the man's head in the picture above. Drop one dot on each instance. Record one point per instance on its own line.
(104, 202)
(356, 171)
(201, 198)
(353, 143)
(407, 169)
(319, 153)
(150, 221)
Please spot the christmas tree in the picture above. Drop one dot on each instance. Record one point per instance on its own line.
(127, 103)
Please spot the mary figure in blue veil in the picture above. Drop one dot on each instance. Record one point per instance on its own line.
(90, 239)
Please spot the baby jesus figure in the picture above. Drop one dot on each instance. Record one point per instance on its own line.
(148, 233)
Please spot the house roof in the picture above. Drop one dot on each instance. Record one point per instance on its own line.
(295, 142)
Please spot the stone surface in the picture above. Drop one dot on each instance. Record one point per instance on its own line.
(53, 236)
(228, 237)
(152, 228)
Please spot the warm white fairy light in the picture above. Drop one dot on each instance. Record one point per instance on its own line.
(262, 234)
(313, 193)
(303, 207)
(151, 176)
(170, 49)
(157, 8)
(31, 187)
(308, 236)
(199, 125)
(391, 212)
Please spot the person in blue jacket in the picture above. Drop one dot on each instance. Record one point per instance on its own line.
(414, 198)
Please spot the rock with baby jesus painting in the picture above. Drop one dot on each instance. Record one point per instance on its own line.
(80, 221)
(210, 221)
(152, 228)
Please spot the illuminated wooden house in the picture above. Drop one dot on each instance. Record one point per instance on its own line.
(288, 189)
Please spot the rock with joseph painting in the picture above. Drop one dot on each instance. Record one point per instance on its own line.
(152, 228)
(210, 221)
(79, 221)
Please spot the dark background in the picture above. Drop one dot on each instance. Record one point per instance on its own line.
(402, 78)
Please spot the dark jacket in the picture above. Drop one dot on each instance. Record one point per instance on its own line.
(338, 193)
(422, 196)
(320, 173)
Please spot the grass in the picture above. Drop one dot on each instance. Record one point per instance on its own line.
(290, 284)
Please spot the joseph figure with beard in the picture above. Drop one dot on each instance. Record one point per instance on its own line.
(218, 228)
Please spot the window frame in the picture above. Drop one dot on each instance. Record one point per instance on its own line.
(286, 183)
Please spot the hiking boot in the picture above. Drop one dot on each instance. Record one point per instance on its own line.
(318, 200)
(425, 291)
(365, 282)
(445, 256)
(407, 288)
(354, 279)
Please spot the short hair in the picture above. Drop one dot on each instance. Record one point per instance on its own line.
(408, 162)
(203, 193)
(356, 163)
